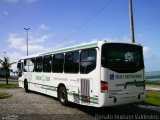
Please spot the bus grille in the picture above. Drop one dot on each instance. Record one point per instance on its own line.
(85, 91)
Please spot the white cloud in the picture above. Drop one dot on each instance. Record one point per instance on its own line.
(35, 40)
(63, 44)
(5, 13)
(14, 57)
(12, 1)
(15, 1)
(33, 46)
(111, 40)
(36, 48)
(126, 40)
(145, 50)
(31, 1)
(152, 62)
(16, 42)
(19, 43)
(43, 27)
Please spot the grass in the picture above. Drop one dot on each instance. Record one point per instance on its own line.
(2, 85)
(152, 98)
(5, 95)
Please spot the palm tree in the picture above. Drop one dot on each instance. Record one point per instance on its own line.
(5, 64)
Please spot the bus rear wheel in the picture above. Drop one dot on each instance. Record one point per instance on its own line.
(26, 86)
(62, 96)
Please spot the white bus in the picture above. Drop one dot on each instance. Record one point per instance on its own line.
(94, 74)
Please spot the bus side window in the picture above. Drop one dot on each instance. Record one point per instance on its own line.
(75, 65)
(31, 65)
(38, 64)
(25, 66)
(71, 62)
(57, 63)
(47, 62)
(68, 63)
(88, 61)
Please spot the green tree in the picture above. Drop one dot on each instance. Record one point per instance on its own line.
(6, 65)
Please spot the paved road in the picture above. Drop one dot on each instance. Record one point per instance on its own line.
(35, 106)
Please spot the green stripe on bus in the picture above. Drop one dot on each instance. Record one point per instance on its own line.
(73, 94)
(94, 98)
(71, 48)
(137, 84)
(52, 89)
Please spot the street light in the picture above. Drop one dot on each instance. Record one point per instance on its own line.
(27, 29)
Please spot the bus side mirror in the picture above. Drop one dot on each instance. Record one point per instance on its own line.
(19, 73)
(19, 69)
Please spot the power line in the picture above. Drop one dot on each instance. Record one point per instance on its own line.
(90, 18)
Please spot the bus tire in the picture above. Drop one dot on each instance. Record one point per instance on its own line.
(26, 86)
(62, 96)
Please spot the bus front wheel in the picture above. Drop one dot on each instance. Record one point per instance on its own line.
(62, 96)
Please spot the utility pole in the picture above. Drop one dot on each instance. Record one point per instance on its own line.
(27, 29)
(131, 22)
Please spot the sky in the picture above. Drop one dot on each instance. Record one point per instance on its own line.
(60, 23)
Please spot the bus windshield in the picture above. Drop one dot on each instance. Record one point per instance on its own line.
(118, 55)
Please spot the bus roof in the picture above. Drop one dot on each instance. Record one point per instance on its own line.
(76, 47)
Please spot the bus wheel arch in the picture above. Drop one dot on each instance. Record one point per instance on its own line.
(62, 94)
(26, 85)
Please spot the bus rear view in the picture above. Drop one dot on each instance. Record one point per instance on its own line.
(122, 74)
